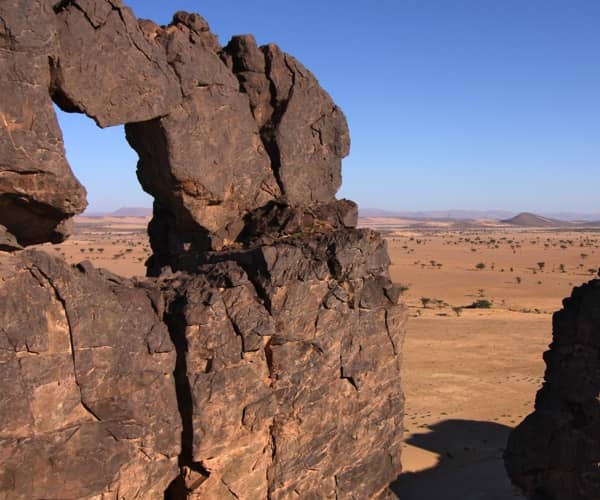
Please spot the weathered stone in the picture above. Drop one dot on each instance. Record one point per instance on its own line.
(83, 356)
(277, 219)
(192, 52)
(8, 242)
(107, 69)
(205, 165)
(554, 453)
(38, 191)
(287, 331)
(304, 132)
(289, 392)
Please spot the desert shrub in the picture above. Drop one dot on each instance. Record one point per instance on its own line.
(480, 266)
(425, 301)
(480, 304)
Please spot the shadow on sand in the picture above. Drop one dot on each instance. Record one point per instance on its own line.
(469, 467)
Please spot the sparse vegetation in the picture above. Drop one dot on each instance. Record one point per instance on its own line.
(480, 304)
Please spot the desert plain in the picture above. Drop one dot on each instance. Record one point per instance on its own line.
(481, 298)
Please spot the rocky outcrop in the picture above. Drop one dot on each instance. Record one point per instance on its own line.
(106, 68)
(87, 399)
(554, 453)
(38, 192)
(292, 360)
(262, 359)
(304, 132)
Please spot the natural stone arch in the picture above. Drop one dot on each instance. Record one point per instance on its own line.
(284, 324)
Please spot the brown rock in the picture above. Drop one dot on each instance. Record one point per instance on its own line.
(286, 328)
(554, 453)
(294, 377)
(205, 165)
(38, 191)
(304, 132)
(107, 69)
(83, 357)
(8, 242)
(192, 51)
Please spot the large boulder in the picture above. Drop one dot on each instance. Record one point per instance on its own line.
(554, 453)
(87, 395)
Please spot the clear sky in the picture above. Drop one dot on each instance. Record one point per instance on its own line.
(479, 104)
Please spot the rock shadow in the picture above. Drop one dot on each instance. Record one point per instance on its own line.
(469, 464)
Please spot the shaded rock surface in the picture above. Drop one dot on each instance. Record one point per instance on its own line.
(554, 453)
(106, 68)
(292, 359)
(38, 191)
(263, 361)
(87, 399)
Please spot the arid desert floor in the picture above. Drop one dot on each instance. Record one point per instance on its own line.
(470, 373)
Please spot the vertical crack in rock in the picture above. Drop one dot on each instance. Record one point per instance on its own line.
(43, 279)
(269, 128)
(181, 486)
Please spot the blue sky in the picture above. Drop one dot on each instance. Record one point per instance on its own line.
(475, 104)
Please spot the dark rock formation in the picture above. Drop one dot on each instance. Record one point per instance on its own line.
(264, 360)
(554, 453)
(87, 399)
(292, 359)
(303, 130)
(38, 191)
(106, 68)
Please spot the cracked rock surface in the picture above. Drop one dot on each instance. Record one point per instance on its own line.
(292, 362)
(262, 357)
(554, 453)
(87, 400)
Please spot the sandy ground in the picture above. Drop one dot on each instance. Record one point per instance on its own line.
(470, 374)
(119, 244)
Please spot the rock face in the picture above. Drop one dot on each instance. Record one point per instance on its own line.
(554, 453)
(262, 359)
(87, 402)
(292, 359)
(38, 192)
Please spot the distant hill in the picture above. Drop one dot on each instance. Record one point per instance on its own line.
(438, 214)
(132, 212)
(526, 219)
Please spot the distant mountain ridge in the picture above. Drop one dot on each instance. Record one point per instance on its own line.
(464, 214)
(454, 214)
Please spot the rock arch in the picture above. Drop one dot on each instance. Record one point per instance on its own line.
(262, 359)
